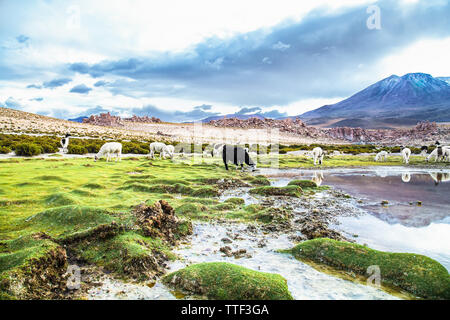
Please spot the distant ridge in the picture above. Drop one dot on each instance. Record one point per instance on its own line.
(393, 101)
(79, 119)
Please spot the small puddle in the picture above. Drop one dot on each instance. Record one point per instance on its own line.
(238, 193)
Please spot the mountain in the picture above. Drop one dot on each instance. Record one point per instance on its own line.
(79, 119)
(446, 79)
(235, 115)
(391, 102)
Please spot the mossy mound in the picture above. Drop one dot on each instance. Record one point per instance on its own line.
(288, 191)
(258, 180)
(303, 183)
(129, 255)
(192, 210)
(414, 273)
(202, 192)
(68, 220)
(82, 193)
(31, 267)
(50, 178)
(28, 184)
(226, 281)
(93, 186)
(142, 176)
(59, 199)
(236, 201)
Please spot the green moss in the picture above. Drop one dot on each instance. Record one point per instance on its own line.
(202, 192)
(414, 273)
(82, 193)
(68, 220)
(258, 180)
(204, 201)
(51, 178)
(128, 254)
(303, 183)
(226, 281)
(236, 201)
(93, 186)
(16, 253)
(225, 206)
(190, 209)
(59, 199)
(288, 191)
(205, 192)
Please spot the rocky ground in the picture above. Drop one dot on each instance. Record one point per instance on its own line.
(423, 133)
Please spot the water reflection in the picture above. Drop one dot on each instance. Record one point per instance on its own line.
(416, 197)
(317, 177)
(417, 215)
(406, 177)
(440, 177)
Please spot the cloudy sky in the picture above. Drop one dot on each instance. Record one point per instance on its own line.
(186, 60)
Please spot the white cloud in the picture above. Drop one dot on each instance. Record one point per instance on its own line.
(281, 46)
(427, 56)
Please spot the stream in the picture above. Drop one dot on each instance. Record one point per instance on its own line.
(414, 217)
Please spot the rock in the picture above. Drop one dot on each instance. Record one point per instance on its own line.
(106, 119)
(226, 250)
(226, 240)
(313, 228)
(159, 221)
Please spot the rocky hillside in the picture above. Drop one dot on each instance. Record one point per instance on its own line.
(106, 119)
(391, 102)
(423, 132)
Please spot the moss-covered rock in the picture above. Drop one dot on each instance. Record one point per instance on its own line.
(414, 273)
(226, 281)
(272, 214)
(32, 267)
(258, 180)
(67, 221)
(129, 255)
(288, 191)
(303, 183)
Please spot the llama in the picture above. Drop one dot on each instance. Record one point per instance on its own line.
(439, 153)
(381, 156)
(65, 143)
(171, 150)
(406, 154)
(217, 150)
(109, 149)
(317, 154)
(238, 156)
(162, 148)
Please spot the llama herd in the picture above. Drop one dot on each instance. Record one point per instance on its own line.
(440, 153)
(240, 156)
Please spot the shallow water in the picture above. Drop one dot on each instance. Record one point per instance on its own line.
(304, 282)
(401, 225)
